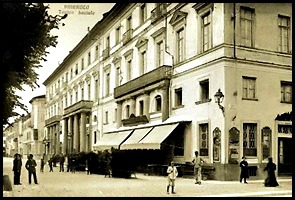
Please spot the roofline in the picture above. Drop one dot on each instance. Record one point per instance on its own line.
(96, 30)
(37, 97)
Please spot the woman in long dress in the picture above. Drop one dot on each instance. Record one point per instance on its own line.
(271, 180)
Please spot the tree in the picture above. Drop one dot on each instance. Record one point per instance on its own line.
(26, 36)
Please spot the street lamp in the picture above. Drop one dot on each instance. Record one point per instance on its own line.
(218, 99)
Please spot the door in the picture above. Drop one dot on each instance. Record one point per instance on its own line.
(284, 156)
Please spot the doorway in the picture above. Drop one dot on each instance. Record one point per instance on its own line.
(284, 156)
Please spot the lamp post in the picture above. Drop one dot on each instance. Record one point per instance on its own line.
(218, 99)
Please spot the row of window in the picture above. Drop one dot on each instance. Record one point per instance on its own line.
(249, 142)
(246, 33)
(249, 93)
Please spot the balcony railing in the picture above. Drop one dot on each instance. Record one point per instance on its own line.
(127, 36)
(161, 73)
(54, 119)
(84, 104)
(106, 53)
(158, 12)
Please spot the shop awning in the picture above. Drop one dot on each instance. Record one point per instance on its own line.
(133, 140)
(154, 139)
(111, 140)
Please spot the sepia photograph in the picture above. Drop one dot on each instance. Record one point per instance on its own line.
(147, 99)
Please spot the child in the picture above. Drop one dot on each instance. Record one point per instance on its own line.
(172, 174)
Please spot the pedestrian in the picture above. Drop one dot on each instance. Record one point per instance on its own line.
(108, 166)
(270, 180)
(69, 163)
(244, 170)
(87, 166)
(172, 174)
(50, 163)
(31, 167)
(54, 160)
(42, 165)
(61, 163)
(198, 163)
(73, 164)
(17, 166)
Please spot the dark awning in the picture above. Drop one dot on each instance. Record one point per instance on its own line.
(110, 140)
(154, 138)
(133, 140)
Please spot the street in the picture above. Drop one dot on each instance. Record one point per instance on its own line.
(79, 184)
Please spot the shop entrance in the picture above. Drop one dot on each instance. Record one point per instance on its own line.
(284, 156)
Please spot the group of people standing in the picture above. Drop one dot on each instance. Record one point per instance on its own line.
(172, 172)
(30, 166)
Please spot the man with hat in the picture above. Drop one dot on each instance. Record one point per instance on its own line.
(17, 166)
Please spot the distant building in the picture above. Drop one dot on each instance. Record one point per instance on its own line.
(26, 135)
(180, 77)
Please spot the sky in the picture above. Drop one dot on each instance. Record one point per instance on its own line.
(80, 17)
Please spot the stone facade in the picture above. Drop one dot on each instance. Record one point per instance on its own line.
(166, 61)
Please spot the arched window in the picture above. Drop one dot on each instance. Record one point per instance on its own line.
(95, 118)
(158, 103)
(127, 111)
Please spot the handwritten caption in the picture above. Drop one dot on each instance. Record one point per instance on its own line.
(76, 9)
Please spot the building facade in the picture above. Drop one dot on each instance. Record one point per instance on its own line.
(179, 77)
(26, 135)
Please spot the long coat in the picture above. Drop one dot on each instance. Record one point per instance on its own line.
(244, 169)
(17, 165)
(271, 180)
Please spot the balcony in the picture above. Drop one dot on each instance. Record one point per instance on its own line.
(106, 53)
(135, 120)
(52, 120)
(83, 105)
(158, 12)
(157, 75)
(127, 36)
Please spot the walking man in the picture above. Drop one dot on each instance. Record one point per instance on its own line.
(172, 174)
(31, 167)
(198, 162)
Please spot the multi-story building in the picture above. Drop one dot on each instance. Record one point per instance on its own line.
(37, 125)
(11, 134)
(26, 135)
(180, 77)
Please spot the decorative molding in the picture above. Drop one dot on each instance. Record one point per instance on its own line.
(141, 42)
(128, 53)
(158, 32)
(200, 6)
(177, 17)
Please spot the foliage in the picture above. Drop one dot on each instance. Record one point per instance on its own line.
(26, 36)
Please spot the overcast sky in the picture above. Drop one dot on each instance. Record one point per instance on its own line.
(80, 17)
